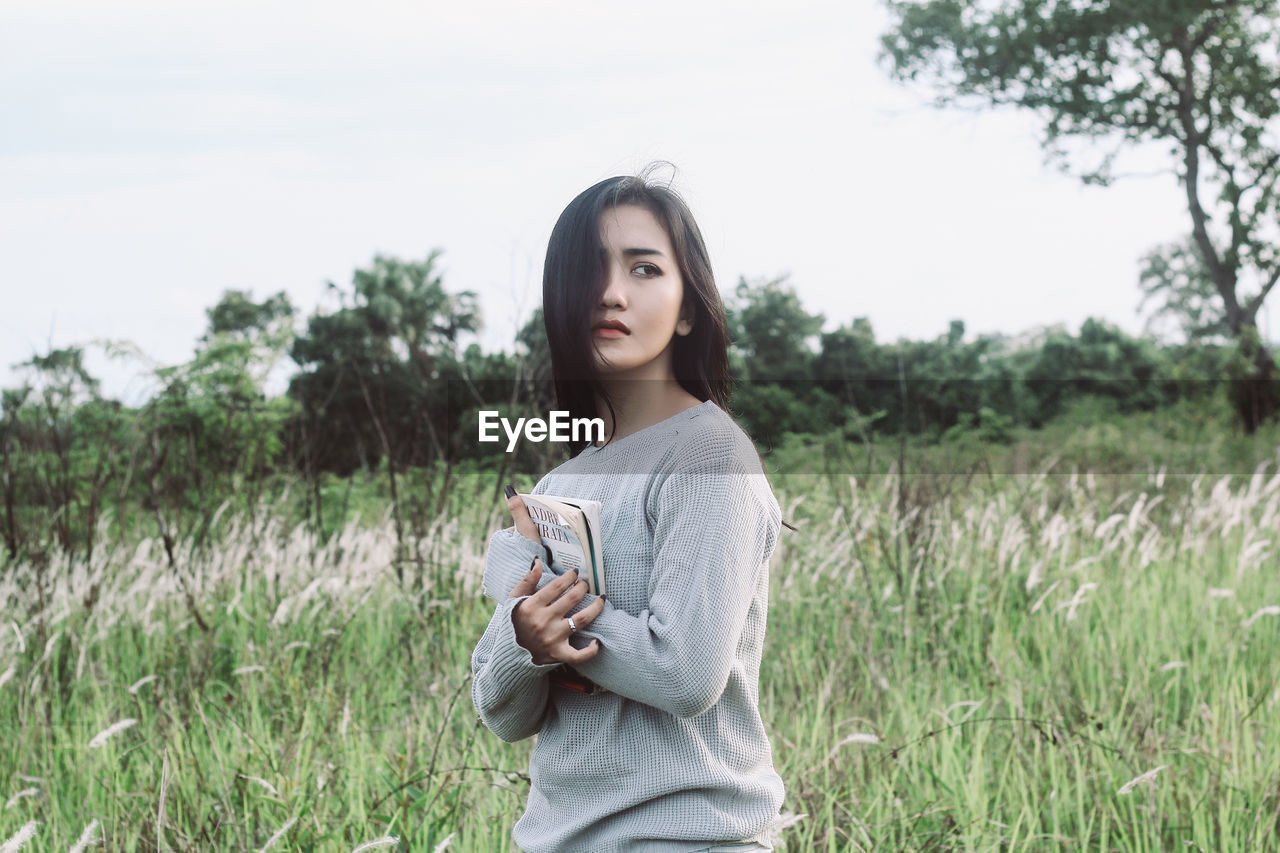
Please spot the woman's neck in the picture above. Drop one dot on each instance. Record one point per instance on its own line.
(642, 404)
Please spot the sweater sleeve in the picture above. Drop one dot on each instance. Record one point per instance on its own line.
(508, 689)
(507, 559)
(713, 532)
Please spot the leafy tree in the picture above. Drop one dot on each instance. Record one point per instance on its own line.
(854, 369)
(209, 433)
(371, 369)
(535, 360)
(62, 448)
(924, 386)
(237, 314)
(335, 355)
(376, 377)
(770, 332)
(1174, 277)
(56, 464)
(849, 353)
(11, 402)
(1102, 361)
(1200, 77)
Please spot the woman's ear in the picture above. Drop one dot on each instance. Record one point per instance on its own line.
(685, 324)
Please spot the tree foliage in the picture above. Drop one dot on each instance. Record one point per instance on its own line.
(370, 369)
(771, 355)
(214, 410)
(380, 387)
(1176, 283)
(59, 448)
(1198, 77)
(772, 331)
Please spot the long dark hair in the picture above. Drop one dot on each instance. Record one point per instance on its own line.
(573, 283)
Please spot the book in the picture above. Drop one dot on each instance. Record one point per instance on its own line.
(570, 531)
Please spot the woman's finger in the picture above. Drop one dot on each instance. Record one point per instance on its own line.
(555, 589)
(571, 597)
(520, 513)
(568, 654)
(529, 583)
(588, 614)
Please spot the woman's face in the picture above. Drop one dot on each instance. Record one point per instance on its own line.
(643, 291)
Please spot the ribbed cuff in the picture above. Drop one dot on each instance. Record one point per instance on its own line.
(528, 546)
(507, 560)
(512, 664)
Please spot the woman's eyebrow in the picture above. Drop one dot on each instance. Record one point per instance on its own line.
(631, 253)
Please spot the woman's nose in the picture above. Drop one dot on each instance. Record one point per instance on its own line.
(613, 295)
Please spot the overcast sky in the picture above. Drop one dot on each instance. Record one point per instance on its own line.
(154, 154)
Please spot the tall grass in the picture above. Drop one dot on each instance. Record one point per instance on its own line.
(1063, 668)
(1048, 662)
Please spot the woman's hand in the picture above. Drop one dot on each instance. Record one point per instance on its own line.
(541, 621)
(520, 513)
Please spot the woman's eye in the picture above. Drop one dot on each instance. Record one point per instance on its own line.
(647, 270)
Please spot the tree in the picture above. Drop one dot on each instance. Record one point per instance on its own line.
(376, 375)
(770, 330)
(1174, 277)
(769, 354)
(54, 456)
(1201, 77)
(215, 405)
(238, 315)
(535, 363)
(371, 370)
(209, 434)
(1102, 361)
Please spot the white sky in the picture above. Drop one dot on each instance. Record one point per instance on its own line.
(154, 154)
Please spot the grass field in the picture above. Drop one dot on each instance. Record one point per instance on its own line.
(1034, 659)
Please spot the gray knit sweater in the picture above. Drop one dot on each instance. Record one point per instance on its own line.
(675, 756)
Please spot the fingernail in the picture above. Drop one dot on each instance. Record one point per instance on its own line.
(533, 564)
(511, 493)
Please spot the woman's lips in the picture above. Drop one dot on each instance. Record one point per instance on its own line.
(609, 332)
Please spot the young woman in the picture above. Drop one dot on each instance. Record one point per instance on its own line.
(645, 705)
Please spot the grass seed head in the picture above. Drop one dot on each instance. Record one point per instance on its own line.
(114, 729)
(271, 789)
(279, 833)
(25, 834)
(18, 797)
(1269, 610)
(142, 682)
(861, 737)
(1147, 778)
(89, 836)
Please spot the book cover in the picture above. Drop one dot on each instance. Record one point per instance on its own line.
(570, 530)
